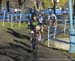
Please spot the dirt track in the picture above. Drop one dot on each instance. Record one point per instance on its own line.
(16, 46)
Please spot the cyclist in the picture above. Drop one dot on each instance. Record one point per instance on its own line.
(53, 19)
(41, 22)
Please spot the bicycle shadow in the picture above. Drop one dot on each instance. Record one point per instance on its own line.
(17, 35)
(22, 45)
(19, 51)
(12, 53)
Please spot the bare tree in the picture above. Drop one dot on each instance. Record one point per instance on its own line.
(74, 7)
(38, 4)
(0, 4)
(21, 2)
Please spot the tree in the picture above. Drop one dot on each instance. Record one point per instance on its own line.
(7, 4)
(49, 3)
(21, 2)
(62, 2)
(0, 4)
(74, 8)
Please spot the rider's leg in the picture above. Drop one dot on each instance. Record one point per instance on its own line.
(39, 37)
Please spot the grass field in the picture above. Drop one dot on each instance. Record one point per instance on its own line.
(15, 25)
(8, 34)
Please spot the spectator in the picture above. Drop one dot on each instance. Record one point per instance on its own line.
(53, 19)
